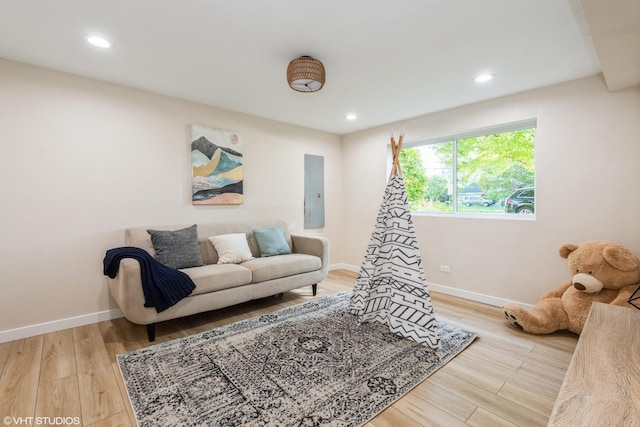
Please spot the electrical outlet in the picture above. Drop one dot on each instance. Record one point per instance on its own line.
(445, 269)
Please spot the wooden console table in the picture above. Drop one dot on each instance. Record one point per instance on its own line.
(602, 384)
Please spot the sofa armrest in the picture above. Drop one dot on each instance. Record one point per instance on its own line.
(126, 290)
(312, 245)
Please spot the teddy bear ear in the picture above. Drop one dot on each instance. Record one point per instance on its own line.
(620, 258)
(566, 249)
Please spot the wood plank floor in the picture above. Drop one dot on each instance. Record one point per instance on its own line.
(505, 378)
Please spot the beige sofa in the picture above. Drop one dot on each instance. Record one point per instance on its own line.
(221, 285)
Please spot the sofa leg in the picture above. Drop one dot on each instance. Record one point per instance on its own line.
(315, 289)
(151, 332)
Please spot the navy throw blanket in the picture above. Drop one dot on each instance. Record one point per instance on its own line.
(162, 286)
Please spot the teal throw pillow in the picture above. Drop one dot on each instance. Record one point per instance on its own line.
(271, 241)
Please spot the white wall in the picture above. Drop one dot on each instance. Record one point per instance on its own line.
(587, 177)
(80, 160)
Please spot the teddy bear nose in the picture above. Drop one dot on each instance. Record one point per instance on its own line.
(579, 286)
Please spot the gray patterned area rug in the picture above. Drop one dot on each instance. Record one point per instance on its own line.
(311, 364)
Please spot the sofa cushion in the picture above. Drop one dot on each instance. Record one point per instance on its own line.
(177, 248)
(271, 241)
(214, 277)
(277, 266)
(232, 248)
(138, 236)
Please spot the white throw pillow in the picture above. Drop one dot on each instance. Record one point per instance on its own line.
(231, 248)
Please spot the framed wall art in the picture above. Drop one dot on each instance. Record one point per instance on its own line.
(217, 162)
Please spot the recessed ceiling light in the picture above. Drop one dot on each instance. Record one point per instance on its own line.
(351, 116)
(99, 41)
(484, 78)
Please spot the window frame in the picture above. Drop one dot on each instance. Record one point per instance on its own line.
(454, 138)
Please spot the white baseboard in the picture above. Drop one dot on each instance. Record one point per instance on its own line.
(58, 325)
(447, 290)
(72, 322)
(342, 266)
(472, 296)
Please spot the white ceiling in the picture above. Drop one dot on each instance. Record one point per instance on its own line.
(386, 60)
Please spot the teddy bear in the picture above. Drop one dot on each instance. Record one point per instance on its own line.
(602, 272)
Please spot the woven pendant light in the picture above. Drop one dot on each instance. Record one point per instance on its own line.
(305, 74)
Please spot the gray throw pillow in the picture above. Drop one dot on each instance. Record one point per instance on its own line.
(177, 249)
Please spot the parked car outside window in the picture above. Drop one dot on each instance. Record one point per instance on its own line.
(475, 200)
(522, 201)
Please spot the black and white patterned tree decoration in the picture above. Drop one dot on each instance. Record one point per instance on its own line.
(391, 288)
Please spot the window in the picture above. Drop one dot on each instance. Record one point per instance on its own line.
(484, 172)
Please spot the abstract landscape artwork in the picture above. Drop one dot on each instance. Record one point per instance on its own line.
(216, 160)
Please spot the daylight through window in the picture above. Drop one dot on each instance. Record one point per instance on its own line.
(489, 171)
